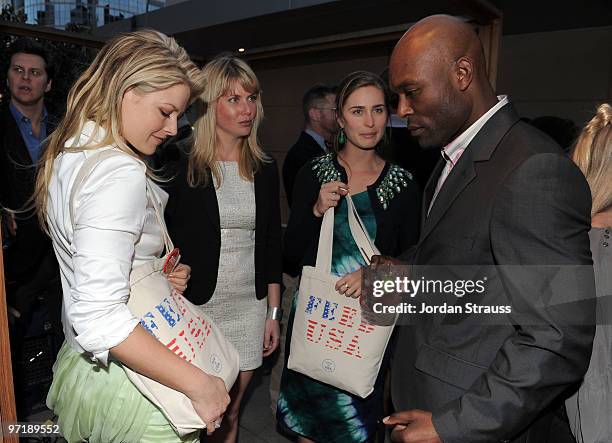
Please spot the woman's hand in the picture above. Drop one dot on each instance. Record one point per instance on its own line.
(329, 195)
(350, 284)
(210, 401)
(179, 277)
(271, 336)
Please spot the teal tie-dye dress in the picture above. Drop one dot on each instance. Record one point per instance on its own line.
(317, 410)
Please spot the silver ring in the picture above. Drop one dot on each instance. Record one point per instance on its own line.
(217, 424)
(346, 285)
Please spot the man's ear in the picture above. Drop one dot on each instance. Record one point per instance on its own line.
(314, 115)
(48, 87)
(464, 72)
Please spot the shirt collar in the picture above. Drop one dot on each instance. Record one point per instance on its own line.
(16, 114)
(395, 121)
(90, 135)
(317, 137)
(22, 118)
(459, 144)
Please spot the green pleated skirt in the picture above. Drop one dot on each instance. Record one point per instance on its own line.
(101, 405)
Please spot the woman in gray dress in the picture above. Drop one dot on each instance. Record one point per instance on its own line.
(224, 215)
(589, 410)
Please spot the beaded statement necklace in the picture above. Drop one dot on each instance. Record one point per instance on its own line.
(390, 186)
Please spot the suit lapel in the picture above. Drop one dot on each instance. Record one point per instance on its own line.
(461, 175)
(481, 148)
(430, 188)
(16, 148)
(260, 199)
(211, 205)
(316, 149)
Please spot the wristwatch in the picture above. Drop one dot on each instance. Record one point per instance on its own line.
(275, 313)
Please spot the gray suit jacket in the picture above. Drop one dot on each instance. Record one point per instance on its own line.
(512, 199)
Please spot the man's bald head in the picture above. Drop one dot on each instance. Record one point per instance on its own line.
(442, 36)
(438, 69)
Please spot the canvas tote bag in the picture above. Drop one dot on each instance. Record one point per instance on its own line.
(180, 325)
(330, 342)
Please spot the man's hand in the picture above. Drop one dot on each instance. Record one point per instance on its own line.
(380, 260)
(413, 426)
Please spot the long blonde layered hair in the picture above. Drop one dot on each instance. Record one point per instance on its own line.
(144, 60)
(593, 155)
(222, 74)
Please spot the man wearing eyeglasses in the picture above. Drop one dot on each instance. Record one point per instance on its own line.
(318, 106)
(30, 265)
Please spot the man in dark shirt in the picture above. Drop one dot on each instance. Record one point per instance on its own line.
(23, 127)
(31, 269)
(319, 110)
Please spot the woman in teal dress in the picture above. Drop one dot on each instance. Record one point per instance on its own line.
(388, 201)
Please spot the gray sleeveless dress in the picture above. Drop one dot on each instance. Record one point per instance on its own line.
(233, 306)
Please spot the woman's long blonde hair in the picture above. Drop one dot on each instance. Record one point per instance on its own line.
(222, 74)
(146, 60)
(593, 155)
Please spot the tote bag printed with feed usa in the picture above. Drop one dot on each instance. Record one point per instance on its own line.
(178, 324)
(330, 342)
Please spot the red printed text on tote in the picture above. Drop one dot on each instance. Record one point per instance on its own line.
(337, 327)
(192, 331)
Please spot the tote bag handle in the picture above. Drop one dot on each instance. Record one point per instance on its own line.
(86, 169)
(366, 246)
(358, 231)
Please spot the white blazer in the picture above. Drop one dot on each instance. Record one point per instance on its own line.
(115, 229)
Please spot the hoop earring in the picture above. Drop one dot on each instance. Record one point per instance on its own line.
(341, 137)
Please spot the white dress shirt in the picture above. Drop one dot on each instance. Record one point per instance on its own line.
(115, 229)
(453, 151)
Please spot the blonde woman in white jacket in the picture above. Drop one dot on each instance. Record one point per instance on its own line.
(129, 100)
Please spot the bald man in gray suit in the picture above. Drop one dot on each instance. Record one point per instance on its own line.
(502, 194)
